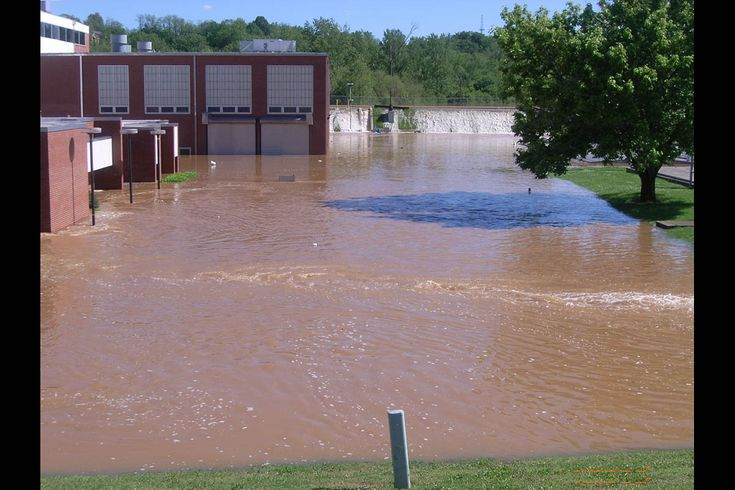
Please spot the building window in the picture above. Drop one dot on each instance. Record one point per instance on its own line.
(112, 83)
(65, 34)
(229, 88)
(166, 89)
(290, 89)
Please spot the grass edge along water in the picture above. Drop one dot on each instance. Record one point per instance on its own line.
(621, 190)
(669, 469)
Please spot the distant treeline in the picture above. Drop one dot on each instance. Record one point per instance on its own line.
(462, 68)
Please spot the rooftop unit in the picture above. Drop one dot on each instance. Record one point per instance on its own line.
(267, 46)
(145, 46)
(119, 43)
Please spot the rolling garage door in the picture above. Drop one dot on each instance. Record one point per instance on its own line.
(284, 138)
(231, 138)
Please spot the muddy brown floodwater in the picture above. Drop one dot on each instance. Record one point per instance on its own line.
(236, 320)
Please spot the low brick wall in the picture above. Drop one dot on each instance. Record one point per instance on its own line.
(64, 179)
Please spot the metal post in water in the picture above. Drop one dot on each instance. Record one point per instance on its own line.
(349, 103)
(159, 161)
(157, 134)
(130, 133)
(91, 132)
(399, 449)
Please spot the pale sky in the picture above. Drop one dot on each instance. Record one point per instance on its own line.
(430, 16)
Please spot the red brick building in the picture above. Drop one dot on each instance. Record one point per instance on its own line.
(66, 164)
(223, 103)
(145, 152)
(64, 176)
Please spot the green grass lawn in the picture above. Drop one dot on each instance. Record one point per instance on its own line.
(179, 177)
(622, 190)
(653, 469)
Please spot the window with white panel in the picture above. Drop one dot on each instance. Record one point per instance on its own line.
(290, 89)
(113, 89)
(229, 88)
(166, 89)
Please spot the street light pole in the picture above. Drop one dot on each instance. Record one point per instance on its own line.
(157, 133)
(91, 132)
(691, 171)
(130, 132)
(349, 101)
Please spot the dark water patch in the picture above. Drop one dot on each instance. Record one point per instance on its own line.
(488, 210)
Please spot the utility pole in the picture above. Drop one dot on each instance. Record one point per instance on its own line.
(349, 101)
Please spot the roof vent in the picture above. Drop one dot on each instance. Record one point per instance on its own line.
(119, 43)
(145, 46)
(267, 46)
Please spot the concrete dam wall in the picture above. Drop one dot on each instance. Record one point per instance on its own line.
(357, 119)
(467, 120)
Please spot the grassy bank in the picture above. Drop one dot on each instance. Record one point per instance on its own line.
(622, 190)
(179, 177)
(655, 469)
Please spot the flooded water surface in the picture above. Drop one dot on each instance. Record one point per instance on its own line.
(236, 320)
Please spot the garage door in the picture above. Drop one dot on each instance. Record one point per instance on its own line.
(231, 138)
(284, 139)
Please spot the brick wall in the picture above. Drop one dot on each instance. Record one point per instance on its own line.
(64, 189)
(318, 131)
(144, 157)
(60, 91)
(60, 81)
(169, 163)
(45, 204)
(136, 67)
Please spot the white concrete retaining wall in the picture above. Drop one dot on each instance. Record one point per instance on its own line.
(356, 119)
(482, 120)
(462, 120)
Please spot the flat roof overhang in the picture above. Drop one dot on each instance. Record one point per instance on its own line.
(53, 124)
(230, 118)
(290, 119)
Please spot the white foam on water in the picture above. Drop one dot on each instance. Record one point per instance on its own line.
(298, 277)
(619, 300)
(632, 298)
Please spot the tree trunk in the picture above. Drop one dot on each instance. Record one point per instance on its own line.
(648, 184)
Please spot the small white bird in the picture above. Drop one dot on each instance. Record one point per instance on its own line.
(212, 163)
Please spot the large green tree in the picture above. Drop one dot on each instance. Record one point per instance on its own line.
(429, 62)
(616, 82)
